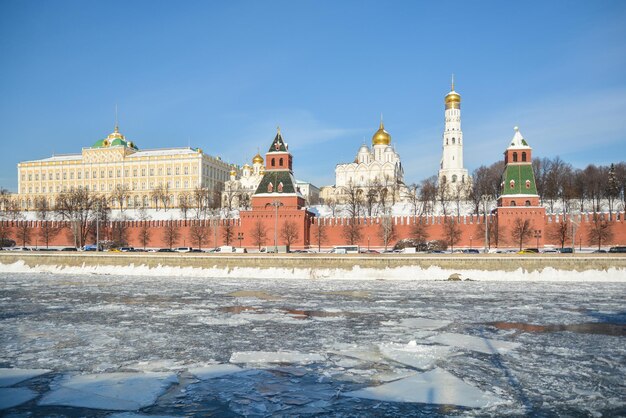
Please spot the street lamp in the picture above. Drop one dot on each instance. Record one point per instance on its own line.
(485, 198)
(240, 237)
(537, 236)
(368, 244)
(276, 204)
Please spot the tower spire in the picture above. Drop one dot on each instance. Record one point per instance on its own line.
(452, 81)
(117, 128)
(382, 125)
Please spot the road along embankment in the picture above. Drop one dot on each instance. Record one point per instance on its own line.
(559, 267)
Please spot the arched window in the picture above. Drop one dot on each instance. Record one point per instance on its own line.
(280, 187)
(523, 156)
(512, 184)
(528, 203)
(528, 184)
(513, 203)
(273, 162)
(454, 178)
(515, 157)
(446, 141)
(280, 162)
(270, 187)
(453, 141)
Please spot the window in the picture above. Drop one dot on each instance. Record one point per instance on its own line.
(177, 171)
(95, 174)
(49, 176)
(101, 174)
(273, 162)
(72, 175)
(186, 170)
(36, 176)
(523, 156)
(160, 171)
(87, 174)
(513, 203)
(110, 173)
(134, 172)
(454, 178)
(119, 172)
(143, 172)
(512, 184)
(270, 187)
(152, 171)
(169, 171)
(80, 175)
(528, 184)
(453, 141)
(64, 176)
(280, 187)
(280, 162)
(515, 157)
(30, 177)
(528, 203)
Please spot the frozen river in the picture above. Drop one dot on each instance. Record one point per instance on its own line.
(95, 345)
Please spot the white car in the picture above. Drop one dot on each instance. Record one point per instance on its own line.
(183, 249)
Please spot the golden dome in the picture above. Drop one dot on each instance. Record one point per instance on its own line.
(257, 159)
(233, 172)
(381, 137)
(453, 99)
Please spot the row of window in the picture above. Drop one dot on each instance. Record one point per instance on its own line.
(133, 186)
(453, 141)
(103, 173)
(515, 157)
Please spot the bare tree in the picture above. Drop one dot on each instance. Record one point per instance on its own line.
(443, 195)
(452, 231)
(559, 231)
(23, 232)
(171, 233)
(259, 233)
(371, 196)
(413, 198)
(198, 232)
(331, 202)
(354, 200)
(201, 200)
(320, 234)
(78, 207)
(227, 231)
(121, 194)
(428, 194)
(156, 194)
(522, 230)
(231, 195)
(119, 232)
(289, 233)
(620, 174)
(420, 232)
(184, 203)
(599, 231)
(165, 196)
(45, 214)
(387, 230)
(612, 189)
(144, 230)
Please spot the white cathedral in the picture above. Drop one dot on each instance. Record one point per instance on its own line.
(451, 171)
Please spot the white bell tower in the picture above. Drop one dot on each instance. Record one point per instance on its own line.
(451, 169)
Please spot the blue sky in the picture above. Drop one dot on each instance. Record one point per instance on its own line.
(221, 75)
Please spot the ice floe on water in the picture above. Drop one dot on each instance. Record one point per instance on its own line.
(469, 342)
(275, 357)
(420, 356)
(10, 377)
(212, 371)
(434, 387)
(10, 397)
(112, 391)
(424, 324)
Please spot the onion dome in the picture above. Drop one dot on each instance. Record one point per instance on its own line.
(233, 172)
(453, 99)
(381, 137)
(114, 139)
(257, 159)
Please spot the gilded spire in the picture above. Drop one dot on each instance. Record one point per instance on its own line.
(278, 130)
(452, 82)
(382, 125)
(117, 128)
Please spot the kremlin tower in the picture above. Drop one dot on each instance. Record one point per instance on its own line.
(451, 169)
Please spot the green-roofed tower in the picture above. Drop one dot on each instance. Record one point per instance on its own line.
(518, 186)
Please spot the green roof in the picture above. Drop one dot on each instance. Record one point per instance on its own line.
(519, 173)
(278, 145)
(276, 177)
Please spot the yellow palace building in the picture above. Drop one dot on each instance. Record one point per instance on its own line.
(115, 162)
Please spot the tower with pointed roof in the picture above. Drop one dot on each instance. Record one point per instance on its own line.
(451, 170)
(518, 200)
(277, 202)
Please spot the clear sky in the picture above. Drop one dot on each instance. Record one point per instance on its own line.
(221, 75)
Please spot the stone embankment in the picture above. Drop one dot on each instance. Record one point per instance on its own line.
(460, 262)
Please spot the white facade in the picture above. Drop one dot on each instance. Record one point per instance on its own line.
(451, 170)
(377, 165)
(238, 191)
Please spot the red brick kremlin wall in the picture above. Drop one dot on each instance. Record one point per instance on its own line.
(472, 231)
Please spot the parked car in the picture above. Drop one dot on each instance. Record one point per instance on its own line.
(471, 251)
(127, 249)
(69, 249)
(619, 249)
(165, 250)
(599, 252)
(529, 251)
(549, 250)
(5, 242)
(184, 249)
(566, 250)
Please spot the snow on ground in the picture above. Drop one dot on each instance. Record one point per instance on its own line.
(434, 387)
(410, 273)
(162, 346)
